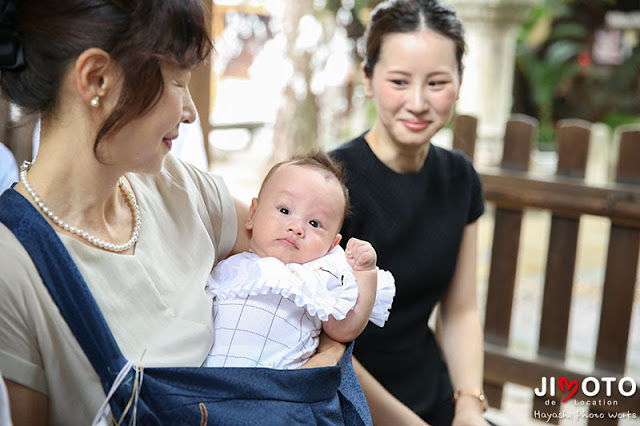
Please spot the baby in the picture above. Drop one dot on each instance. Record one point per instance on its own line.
(271, 303)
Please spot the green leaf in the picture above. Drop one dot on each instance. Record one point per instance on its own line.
(569, 30)
(560, 52)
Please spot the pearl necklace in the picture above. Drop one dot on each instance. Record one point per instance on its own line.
(131, 201)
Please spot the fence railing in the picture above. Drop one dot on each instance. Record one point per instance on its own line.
(567, 197)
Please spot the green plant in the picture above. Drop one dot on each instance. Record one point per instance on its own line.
(615, 119)
(547, 57)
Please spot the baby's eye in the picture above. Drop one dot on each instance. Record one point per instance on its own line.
(283, 210)
(314, 223)
(399, 82)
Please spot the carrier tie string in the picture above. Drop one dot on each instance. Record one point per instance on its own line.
(104, 410)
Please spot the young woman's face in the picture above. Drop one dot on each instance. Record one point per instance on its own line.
(414, 85)
(143, 143)
(298, 215)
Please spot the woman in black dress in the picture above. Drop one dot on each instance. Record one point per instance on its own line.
(418, 205)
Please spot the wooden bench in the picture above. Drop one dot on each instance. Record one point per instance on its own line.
(567, 197)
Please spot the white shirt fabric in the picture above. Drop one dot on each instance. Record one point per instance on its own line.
(8, 168)
(269, 314)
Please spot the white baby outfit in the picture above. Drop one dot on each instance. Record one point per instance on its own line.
(269, 314)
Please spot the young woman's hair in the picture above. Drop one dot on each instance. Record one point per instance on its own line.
(321, 161)
(139, 35)
(404, 16)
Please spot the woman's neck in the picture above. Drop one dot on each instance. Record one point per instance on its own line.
(401, 158)
(80, 190)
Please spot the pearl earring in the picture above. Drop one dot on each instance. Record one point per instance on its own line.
(95, 102)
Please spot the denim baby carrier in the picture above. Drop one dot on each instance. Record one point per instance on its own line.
(180, 395)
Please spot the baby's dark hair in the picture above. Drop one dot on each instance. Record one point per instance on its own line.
(404, 16)
(321, 161)
(139, 35)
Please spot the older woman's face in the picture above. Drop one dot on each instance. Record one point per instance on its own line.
(414, 85)
(143, 143)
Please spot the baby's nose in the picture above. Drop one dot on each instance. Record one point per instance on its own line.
(295, 228)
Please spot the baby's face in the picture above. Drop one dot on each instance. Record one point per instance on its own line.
(298, 215)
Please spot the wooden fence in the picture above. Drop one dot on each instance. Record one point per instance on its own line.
(566, 195)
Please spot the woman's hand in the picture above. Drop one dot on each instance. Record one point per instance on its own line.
(469, 411)
(328, 353)
(469, 419)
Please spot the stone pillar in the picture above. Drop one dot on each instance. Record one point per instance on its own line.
(491, 28)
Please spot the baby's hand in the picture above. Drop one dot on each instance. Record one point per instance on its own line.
(360, 255)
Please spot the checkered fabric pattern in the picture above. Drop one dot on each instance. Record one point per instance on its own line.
(262, 331)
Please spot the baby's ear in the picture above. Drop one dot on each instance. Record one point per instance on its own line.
(252, 212)
(335, 242)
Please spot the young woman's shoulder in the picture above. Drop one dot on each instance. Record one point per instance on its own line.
(451, 157)
(455, 169)
(349, 150)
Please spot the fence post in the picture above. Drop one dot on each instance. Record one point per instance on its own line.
(621, 273)
(464, 134)
(572, 148)
(518, 143)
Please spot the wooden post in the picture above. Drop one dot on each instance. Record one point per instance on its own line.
(464, 134)
(621, 273)
(518, 143)
(573, 147)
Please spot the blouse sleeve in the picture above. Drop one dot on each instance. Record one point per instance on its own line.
(19, 353)
(385, 292)
(336, 263)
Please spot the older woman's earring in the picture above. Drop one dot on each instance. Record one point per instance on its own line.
(95, 102)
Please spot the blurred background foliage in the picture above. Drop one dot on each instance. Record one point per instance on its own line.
(558, 72)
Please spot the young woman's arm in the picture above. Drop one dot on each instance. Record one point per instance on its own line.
(460, 333)
(28, 407)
